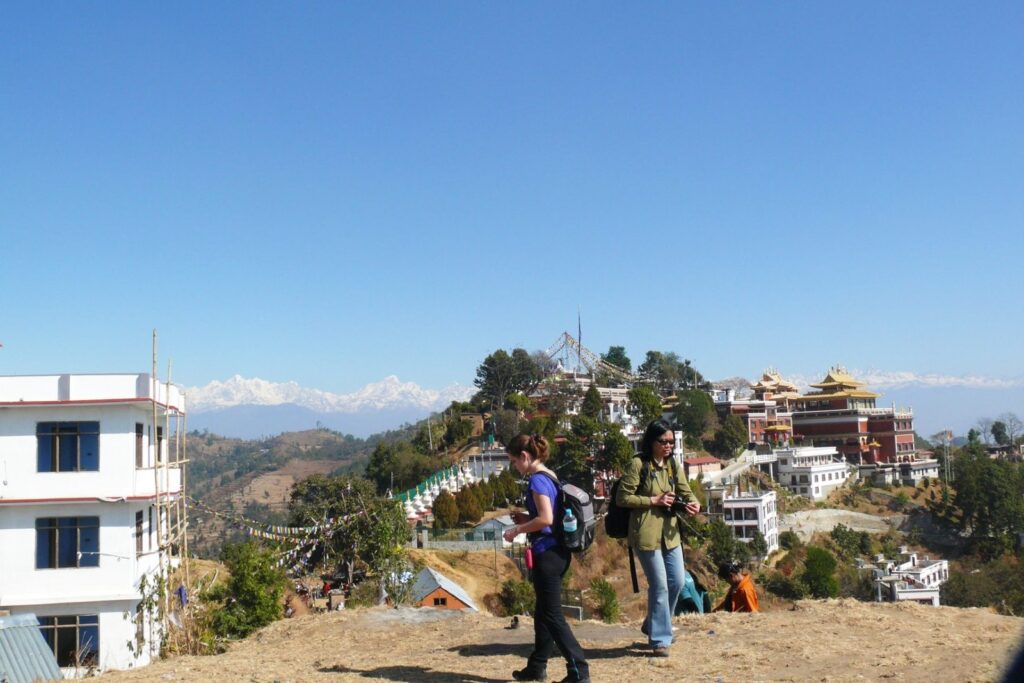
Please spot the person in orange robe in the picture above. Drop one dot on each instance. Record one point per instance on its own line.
(741, 596)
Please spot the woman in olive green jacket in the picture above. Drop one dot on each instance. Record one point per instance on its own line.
(651, 486)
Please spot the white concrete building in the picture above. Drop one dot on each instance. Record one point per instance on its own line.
(907, 577)
(80, 519)
(910, 473)
(615, 400)
(746, 512)
(813, 472)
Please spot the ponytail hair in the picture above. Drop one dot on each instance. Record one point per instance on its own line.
(534, 444)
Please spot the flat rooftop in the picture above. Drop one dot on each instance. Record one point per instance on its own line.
(30, 390)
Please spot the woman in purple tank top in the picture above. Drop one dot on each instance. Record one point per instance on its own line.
(550, 561)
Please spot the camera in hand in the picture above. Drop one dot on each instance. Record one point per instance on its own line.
(679, 506)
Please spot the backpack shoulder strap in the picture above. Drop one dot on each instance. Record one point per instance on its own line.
(558, 487)
(645, 471)
(551, 477)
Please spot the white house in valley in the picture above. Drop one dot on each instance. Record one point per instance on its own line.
(812, 471)
(90, 510)
(908, 577)
(746, 512)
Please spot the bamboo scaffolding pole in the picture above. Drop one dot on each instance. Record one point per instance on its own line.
(166, 462)
(183, 464)
(154, 443)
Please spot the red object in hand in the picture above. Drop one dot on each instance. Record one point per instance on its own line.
(529, 558)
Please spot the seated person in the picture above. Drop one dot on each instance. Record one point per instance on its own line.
(741, 596)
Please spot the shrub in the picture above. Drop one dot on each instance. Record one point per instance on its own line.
(819, 573)
(253, 593)
(850, 543)
(517, 597)
(789, 540)
(723, 543)
(758, 546)
(364, 594)
(606, 599)
(785, 586)
(855, 584)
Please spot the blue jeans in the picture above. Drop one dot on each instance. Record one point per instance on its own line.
(664, 571)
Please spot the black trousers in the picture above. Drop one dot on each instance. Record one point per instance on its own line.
(549, 626)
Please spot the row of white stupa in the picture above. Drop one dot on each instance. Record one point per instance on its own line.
(422, 503)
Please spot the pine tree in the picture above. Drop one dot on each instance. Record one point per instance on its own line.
(446, 511)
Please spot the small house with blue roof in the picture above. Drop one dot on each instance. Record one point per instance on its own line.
(434, 589)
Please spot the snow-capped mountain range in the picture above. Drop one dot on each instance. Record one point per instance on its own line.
(390, 392)
(252, 407)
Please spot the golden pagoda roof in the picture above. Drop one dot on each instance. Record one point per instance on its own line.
(772, 380)
(838, 378)
(786, 394)
(853, 393)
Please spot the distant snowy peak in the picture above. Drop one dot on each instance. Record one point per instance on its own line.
(390, 392)
(899, 379)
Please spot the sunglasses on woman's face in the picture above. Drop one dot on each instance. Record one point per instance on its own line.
(666, 442)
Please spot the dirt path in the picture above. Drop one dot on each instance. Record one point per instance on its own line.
(832, 640)
(807, 522)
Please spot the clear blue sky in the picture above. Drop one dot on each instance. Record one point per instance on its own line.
(334, 192)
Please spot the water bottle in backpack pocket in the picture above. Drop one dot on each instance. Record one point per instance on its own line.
(577, 526)
(569, 524)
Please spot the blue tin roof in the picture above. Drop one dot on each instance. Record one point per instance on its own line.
(24, 655)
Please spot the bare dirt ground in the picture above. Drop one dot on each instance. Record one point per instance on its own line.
(807, 522)
(835, 640)
(275, 487)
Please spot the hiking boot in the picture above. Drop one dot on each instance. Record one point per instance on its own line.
(660, 652)
(529, 674)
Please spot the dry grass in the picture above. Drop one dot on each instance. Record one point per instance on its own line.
(834, 640)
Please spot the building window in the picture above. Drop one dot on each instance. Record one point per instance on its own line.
(440, 602)
(150, 527)
(67, 542)
(68, 446)
(139, 462)
(138, 533)
(74, 640)
(159, 444)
